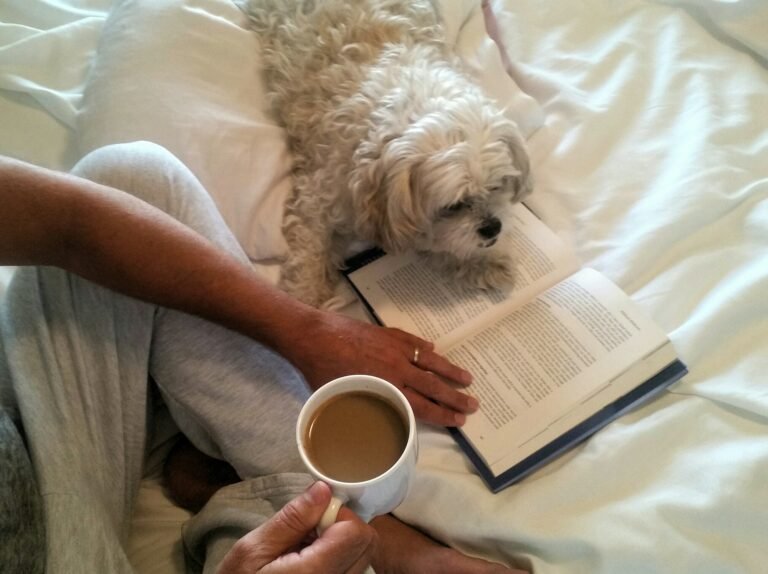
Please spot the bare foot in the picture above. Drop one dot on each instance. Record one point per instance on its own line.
(192, 477)
(404, 550)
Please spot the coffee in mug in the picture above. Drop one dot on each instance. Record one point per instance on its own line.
(356, 436)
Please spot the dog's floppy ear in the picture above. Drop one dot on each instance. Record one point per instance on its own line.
(521, 183)
(382, 186)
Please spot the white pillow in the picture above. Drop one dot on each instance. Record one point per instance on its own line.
(186, 75)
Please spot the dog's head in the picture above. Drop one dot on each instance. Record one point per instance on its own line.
(444, 183)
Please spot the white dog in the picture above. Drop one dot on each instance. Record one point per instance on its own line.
(393, 144)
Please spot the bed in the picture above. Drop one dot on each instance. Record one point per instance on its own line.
(647, 124)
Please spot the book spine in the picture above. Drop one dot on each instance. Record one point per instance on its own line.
(362, 259)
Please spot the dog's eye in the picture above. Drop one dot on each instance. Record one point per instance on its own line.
(456, 207)
(508, 184)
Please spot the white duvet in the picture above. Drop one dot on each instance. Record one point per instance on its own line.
(648, 129)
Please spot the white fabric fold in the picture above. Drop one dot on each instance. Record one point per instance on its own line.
(46, 48)
(742, 24)
(49, 65)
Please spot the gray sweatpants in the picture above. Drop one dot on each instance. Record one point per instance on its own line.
(77, 358)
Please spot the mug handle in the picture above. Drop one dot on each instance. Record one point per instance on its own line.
(330, 514)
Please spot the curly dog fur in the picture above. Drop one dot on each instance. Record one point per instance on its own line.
(393, 144)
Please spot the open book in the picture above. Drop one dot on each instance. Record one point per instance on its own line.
(555, 358)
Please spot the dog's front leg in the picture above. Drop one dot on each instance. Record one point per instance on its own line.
(485, 270)
(492, 270)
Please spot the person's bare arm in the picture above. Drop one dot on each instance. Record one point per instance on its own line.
(116, 240)
(123, 243)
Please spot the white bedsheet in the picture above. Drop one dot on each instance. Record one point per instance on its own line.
(652, 162)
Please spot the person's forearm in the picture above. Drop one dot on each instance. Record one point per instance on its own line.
(118, 241)
(112, 238)
(150, 256)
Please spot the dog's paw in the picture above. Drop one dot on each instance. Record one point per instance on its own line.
(491, 271)
(487, 272)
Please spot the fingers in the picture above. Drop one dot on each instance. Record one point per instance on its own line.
(345, 547)
(428, 360)
(433, 413)
(281, 533)
(431, 361)
(298, 518)
(410, 339)
(436, 389)
(426, 385)
(388, 353)
(355, 536)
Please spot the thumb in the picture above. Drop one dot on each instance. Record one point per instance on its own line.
(296, 520)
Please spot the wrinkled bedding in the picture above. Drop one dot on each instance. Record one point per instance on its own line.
(647, 124)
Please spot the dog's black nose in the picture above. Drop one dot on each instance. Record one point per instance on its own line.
(490, 228)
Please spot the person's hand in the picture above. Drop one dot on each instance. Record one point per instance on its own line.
(284, 545)
(336, 345)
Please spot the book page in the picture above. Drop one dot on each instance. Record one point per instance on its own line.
(535, 365)
(603, 396)
(406, 293)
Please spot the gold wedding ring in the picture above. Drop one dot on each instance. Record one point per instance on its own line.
(415, 359)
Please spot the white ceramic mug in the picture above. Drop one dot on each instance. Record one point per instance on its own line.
(382, 493)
